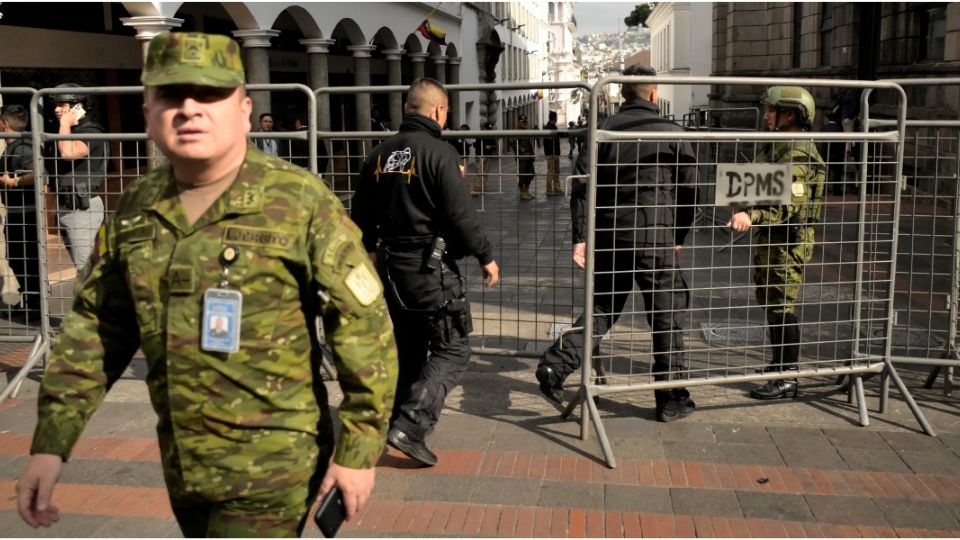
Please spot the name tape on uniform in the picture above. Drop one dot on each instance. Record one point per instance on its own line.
(753, 184)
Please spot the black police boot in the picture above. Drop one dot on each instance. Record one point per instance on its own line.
(673, 404)
(414, 450)
(550, 385)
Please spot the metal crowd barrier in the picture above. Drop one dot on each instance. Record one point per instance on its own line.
(53, 263)
(845, 307)
(536, 294)
(928, 269)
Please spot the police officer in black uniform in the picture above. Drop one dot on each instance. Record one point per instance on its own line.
(645, 196)
(417, 219)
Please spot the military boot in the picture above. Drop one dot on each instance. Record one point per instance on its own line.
(525, 194)
(550, 384)
(788, 345)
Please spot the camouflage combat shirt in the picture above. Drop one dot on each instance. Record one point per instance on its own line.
(806, 187)
(230, 424)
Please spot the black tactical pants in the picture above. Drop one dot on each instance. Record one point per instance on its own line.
(432, 344)
(526, 171)
(665, 297)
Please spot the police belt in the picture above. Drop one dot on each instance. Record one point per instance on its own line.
(401, 246)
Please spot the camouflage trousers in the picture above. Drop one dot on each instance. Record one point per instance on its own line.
(778, 269)
(276, 514)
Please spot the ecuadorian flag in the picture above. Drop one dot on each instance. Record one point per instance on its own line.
(432, 32)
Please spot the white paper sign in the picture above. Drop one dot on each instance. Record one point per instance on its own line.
(753, 184)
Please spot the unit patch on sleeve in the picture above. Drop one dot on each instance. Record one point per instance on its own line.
(361, 283)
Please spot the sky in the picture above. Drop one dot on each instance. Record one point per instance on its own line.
(596, 17)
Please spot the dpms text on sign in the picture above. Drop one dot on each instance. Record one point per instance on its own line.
(753, 184)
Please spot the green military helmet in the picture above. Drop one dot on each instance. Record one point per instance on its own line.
(792, 97)
(193, 58)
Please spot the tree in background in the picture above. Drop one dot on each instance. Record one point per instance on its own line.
(638, 17)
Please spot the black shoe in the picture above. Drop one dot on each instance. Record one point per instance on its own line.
(776, 390)
(677, 407)
(414, 450)
(553, 392)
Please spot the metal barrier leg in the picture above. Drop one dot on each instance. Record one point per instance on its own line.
(905, 392)
(861, 401)
(601, 433)
(36, 354)
(884, 391)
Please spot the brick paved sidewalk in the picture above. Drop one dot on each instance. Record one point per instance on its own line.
(509, 466)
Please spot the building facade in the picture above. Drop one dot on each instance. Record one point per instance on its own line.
(679, 32)
(864, 41)
(317, 44)
(563, 63)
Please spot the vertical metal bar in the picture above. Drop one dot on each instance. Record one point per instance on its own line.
(861, 400)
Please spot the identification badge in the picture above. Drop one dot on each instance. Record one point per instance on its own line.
(221, 320)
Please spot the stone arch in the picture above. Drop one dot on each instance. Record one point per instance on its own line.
(304, 20)
(348, 31)
(385, 39)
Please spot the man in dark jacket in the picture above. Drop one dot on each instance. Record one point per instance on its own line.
(78, 168)
(16, 176)
(645, 196)
(417, 219)
(551, 149)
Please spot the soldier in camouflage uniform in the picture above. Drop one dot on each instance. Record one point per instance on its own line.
(246, 436)
(526, 162)
(785, 236)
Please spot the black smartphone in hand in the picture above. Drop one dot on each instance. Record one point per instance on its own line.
(331, 513)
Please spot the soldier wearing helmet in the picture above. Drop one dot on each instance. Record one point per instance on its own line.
(784, 234)
(217, 266)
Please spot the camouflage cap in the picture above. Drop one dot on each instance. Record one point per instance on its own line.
(193, 58)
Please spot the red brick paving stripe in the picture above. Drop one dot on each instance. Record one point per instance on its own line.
(471, 524)
(541, 523)
(508, 522)
(439, 520)
(641, 472)
(526, 516)
(631, 525)
(559, 523)
(685, 526)
(578, 523)
(612, 525)
(151, 503)
(456, 519)
(648, 524)
(595, 523)
(491, 521)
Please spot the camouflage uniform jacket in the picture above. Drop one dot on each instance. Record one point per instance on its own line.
(807, 185)
(230, 424)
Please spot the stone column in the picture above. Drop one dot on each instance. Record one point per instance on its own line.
(440, 68)
(453, 122)
(147, 27)
(317, 53)
(361, 77)
(256, 63)
(394, 79)
(417, 59)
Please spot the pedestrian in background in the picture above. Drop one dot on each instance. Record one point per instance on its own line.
(77, 169)
(417, 221)
(21, 264)
(245, 433)
(487, 149)
(784, 238)
(267, 145)
(646, 192)
(526, 162)
(551, 150)
(571, 138)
